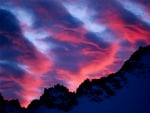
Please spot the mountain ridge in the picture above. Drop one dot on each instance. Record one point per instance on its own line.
(97, 90)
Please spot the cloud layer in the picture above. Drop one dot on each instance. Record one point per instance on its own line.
(45, 42)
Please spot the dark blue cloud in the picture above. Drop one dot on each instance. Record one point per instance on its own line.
(8, 52)
(8, 22)
(67, 56)
(11, 69)
(12, 87)
(4, 41)
(91, 37)
(125, 44)
(51, 13)
(140, 43)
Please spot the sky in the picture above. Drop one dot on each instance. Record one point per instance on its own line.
(45, 42)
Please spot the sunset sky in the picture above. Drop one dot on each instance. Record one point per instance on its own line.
(45, 42)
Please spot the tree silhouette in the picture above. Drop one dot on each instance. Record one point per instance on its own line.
(1, 104)
(58, 97)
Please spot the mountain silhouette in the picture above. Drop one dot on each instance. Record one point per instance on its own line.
(125, 91)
